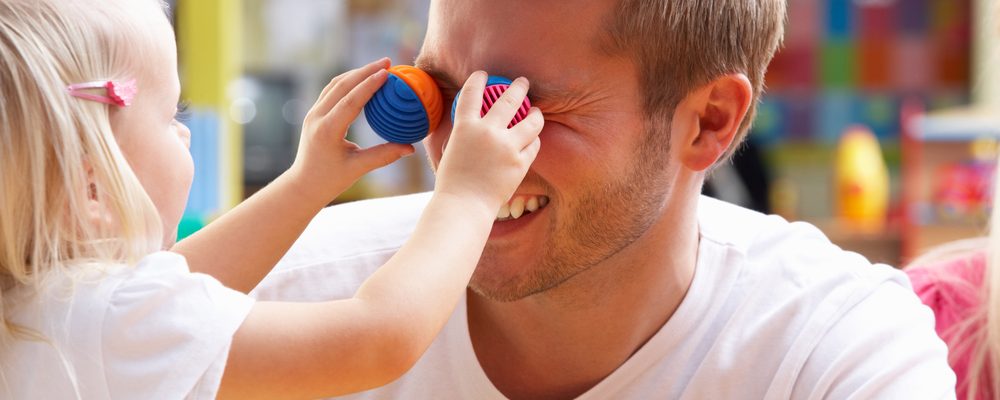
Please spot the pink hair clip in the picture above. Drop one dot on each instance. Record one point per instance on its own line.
(116, 93)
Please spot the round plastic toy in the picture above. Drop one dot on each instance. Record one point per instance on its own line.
(407, 107)
(495, 86)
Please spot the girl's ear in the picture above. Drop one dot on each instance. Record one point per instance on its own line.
(96, 210)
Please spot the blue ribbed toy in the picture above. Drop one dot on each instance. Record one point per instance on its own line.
(406, 108)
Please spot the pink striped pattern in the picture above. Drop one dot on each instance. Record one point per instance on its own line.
(492, 94)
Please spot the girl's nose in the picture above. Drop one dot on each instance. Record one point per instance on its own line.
(185, 134)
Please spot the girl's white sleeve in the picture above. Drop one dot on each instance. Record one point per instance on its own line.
(167, 331)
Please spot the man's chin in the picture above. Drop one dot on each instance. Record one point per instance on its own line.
(503, 282)
(499, 293)
(513, 281)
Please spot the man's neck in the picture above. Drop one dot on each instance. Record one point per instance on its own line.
(560, 343)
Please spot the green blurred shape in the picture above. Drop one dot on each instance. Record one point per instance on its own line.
(879, 109)
(189, 225)
(838, 64)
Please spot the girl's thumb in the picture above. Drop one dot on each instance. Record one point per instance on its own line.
(384, 154)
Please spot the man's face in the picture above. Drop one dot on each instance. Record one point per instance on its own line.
(603, 178)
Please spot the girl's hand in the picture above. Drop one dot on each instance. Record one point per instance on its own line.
(327, 163)
(483, 159)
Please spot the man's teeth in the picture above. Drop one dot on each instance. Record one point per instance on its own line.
(517, 207)
(532, 204)
(504, 212)
(521, 205)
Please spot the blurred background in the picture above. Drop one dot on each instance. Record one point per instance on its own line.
(879, 124)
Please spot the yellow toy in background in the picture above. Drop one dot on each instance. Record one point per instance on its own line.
(861, 181)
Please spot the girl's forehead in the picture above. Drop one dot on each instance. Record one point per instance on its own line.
(146, 38)
(157, 61)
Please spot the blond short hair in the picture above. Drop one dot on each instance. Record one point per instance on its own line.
(680, 45)
(58, 152)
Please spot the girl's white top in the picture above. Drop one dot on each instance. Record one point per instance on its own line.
(153, 331)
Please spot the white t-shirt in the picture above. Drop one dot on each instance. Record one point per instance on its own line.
(775, 311)
(155, 331)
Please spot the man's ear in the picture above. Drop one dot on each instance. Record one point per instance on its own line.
(717, 111)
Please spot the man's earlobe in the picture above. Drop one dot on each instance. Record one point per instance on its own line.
(721, 106)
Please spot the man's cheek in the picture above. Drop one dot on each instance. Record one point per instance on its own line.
(433, 145)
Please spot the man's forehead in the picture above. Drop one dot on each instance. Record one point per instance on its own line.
(576, 14)
(492, 33)
(553, 44)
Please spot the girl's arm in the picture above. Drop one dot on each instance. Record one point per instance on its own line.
(242, 246)
(310, 350)
(315, 350)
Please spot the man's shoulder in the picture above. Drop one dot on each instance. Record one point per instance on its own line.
(754, 233)
(820, 309)
(796, 251)
(790, 270)
(341, 247)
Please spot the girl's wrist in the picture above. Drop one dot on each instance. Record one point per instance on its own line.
(478, 205)
(311, 189)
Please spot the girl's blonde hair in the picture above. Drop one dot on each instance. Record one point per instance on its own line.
(57, 152)
(984, 367)
(978, 335)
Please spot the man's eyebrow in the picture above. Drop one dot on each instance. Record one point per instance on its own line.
(443, 78)
(539, 92)
(544, 95)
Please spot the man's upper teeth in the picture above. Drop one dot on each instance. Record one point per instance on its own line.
(532, 204)
(517, 207)
(521, 205)
(504, 212)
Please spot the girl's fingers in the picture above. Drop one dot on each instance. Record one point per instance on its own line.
(381, 155)
(349, 107)
(510, 101)
(470, 100)
(327, 89)
(343, 84)
(531, 150)
(526, 131)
